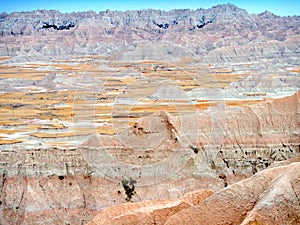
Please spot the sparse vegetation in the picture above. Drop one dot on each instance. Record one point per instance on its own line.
(129, 187)
(195, 149)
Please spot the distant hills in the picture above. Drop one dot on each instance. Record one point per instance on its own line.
(223, 33)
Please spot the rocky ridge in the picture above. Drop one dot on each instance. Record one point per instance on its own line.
(269, 197)
(220, 34)
(85, 180)
(234, 145)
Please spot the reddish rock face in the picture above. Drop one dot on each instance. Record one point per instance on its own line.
(269, 197)
(252, 138)
(39, 183)
(149, 212)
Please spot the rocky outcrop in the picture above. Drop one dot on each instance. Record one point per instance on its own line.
(233, 140)
(53, 192)
(269, 197)
(220, 34)
(148, 212)
(161, 157)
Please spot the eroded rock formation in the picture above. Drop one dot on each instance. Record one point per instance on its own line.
(149, 212)
(75, 184)
(269, 197)
(220, 34)
(52, 171)
(244, 140)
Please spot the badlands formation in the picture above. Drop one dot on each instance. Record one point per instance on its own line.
(149, 117)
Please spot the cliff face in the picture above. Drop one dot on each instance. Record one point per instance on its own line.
(155, 159)
(258, 134)
(232, 18)
(226, 140)
(219, 34)
(269, 197)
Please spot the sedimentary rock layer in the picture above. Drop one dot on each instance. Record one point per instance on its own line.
(231, 139)
(269, 197)
(220, 34)
(163, 156)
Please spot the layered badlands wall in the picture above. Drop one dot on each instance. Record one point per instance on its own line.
(67, 186)
(167, 155)
(224, 33)
(269, 197)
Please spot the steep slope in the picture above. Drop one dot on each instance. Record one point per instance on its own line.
(227, 140)
(220, 34)
(148, 212)
(163, 156)
(269, 197)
